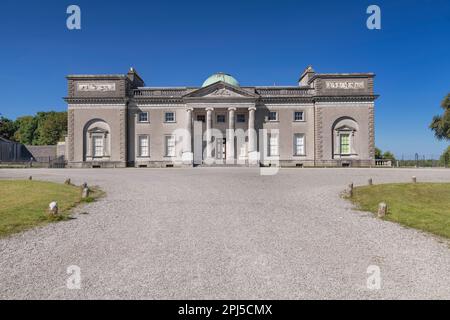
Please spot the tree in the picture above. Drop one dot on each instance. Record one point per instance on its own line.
(378, 153)
(445, 157)
(441, 123)
(388, 155)
(26, 126)
(51, 127)
(7, 128)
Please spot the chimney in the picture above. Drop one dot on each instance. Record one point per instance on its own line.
(135, 79)
(306, 76)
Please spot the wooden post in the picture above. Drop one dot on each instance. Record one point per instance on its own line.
(414, 179)
(382, 209)
(67, 181)
(350, 190)
(370, 181)
(30, 178)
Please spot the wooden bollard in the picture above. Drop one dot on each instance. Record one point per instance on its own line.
(382, 209)
(370, 182)
(67, 181)
(85, 193)
(414, 179)
(30, 178)
(350, 189)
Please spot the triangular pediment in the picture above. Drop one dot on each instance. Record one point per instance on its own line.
(220, 90)
(345, 128)
(97, 130)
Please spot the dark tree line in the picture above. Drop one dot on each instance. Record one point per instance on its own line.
(45, 128)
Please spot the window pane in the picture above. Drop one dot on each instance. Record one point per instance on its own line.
(220, 118)
(143, 146)
(299, 143)
(143, 117)
(98, 146)
(273, 144)
(272, 115)
(240, 118)
(298, 116)
(170, 146)
(201, 118)
(170, 117)
(345, 143)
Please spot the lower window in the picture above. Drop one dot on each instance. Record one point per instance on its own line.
(299, 144)
(143, 146)
(97, 142)
(273, 144)
(344, 143)
(170, 146)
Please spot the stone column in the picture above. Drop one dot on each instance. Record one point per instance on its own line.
(230, 136)
(188, 156)
(209, 146)
(252, 150)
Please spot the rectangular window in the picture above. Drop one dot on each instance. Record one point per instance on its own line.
(273, 116)
(299, 116)
(170, 146)
(201, 117)
(143, 116)
(143, 146)
(98, 146)
(220, 118)
(273, 144)
(240, 117)
(345, 143)
(169, 117)
(299, 144)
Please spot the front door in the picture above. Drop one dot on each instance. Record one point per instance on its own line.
(221, 148)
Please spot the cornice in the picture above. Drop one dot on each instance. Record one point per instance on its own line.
(89, 100)
(141, 100)
(345, 98)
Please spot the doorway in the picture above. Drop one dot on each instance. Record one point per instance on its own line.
(221, 147)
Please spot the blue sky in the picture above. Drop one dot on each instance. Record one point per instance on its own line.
(258, 42)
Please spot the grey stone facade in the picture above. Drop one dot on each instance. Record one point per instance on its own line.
(116, 121)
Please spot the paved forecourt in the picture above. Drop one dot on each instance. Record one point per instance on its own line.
(224, 233)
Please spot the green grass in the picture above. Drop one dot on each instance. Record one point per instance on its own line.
(24, 203)
(424, 206)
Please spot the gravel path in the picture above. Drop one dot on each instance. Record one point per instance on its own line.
(224, 233)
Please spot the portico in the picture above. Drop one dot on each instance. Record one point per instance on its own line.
(226, 113)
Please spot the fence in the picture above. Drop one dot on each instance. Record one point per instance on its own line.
(13, 152)
(38, 162)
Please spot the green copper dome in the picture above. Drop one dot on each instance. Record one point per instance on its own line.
(216, 77)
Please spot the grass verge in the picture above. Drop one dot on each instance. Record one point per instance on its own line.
(424, 206)
(24, 203)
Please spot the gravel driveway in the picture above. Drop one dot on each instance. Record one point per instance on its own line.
(224, 233)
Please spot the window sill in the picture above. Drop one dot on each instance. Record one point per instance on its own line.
(170, 122)
(345, 155)
(143, 122)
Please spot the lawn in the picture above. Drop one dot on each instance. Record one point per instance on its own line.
(24, 203)
(424, 206)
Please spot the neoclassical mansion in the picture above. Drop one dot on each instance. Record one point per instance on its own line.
(117, 121)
